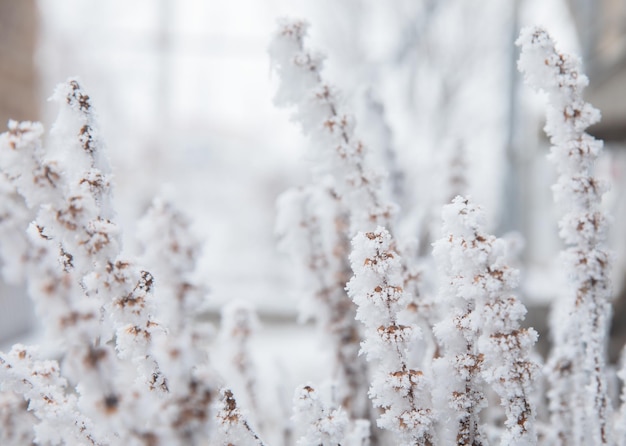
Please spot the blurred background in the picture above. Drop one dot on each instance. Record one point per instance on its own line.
(184, 92)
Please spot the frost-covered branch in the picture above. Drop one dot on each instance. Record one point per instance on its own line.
(30, 181)
(313, 230)
(400, 390)
(171, 250)
(117, 293)
(318, 109)
(322, 232)
(45, 392)
(579, 400)
(73, 321)
(234, 428)
(94, 302)
(460, 387)
(322, 425)
(239, 324)
(16, 422)
(481, 334)
(343, 157)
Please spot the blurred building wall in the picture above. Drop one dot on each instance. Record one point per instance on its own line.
(601, 27)
(18, 74)
(18, 100)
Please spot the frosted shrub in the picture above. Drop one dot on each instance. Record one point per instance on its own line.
(79, 248)
(411, 407)
(109, 386)
(132, 351)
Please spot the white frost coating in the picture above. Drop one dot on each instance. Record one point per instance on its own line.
(312, 227)
(170, 249)
(403, 393)
(233, 427)
(91, 246)
(108, 386)
(24, 162)
(86, 294)
(318, 109)
(14, 219)
(239, 324)
(27, 182)
(482, 341)
(356, 182)
(20, 149)
(321, 424)
(579, 403)
(40, 383)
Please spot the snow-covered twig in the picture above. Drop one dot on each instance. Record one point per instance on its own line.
(481, 334)
(171, 250)
(579, 400)
(401, 391)
(239, 324)
(319, 111)
(94, 302)
(353, 196)
(45, 391)
(321, 424)
(313, 228)
(234, 428)
(343, 157)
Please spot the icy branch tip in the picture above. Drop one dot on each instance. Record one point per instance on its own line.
(291, 28)
(22, 134)
(545, 66)
(534, 35)
(463, 215)
(73, 94)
